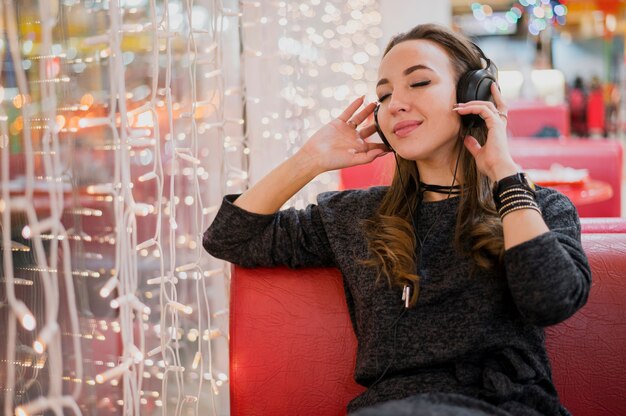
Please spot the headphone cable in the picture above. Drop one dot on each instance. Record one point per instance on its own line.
(404, 309)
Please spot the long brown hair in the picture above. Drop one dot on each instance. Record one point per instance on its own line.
(390, 234)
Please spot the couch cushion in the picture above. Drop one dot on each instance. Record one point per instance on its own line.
(292, 347)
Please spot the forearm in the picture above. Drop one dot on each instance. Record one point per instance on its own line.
(549, 277)
(521, 226)
(273, 190)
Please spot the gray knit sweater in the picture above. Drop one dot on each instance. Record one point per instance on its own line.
(478, 335)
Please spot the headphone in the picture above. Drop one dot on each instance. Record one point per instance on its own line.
(472, 85)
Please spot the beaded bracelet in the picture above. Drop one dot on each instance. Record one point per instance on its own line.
(514, 197)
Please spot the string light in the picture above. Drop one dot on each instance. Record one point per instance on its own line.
(45, 337)
(326, 52)
(24, 315)
(130, 127)
(149, 166)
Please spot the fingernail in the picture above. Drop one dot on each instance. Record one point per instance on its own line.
(456, 105)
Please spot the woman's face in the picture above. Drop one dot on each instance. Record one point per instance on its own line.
(417, 89)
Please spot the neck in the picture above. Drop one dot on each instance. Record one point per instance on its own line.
(442, 176)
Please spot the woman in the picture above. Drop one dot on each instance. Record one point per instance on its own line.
(447, 290)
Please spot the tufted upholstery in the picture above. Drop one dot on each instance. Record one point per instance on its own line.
(292, 347)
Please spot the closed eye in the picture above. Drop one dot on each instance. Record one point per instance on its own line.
(415, 85)
(420, 84)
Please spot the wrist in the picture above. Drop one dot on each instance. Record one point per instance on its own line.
(305, 164)
(503, 170)
(514, 192)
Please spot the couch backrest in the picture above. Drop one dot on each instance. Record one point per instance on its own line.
(603, 159)
(610, 225)
(292, 348)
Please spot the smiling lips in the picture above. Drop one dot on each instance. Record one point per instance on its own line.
(404, 128)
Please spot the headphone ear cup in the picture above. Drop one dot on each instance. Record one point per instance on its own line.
(378, 129)
(474, 85)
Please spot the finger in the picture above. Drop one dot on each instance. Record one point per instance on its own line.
(490, 116)
(360, 146)
(349, 111)
(367, 157)
(489, 104)
(472, 145)
(374, 146)
(368, 154)
(367, 131)
(359, 117)
(497, 98)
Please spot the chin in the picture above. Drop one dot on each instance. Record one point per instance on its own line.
(414, 149)
(411, 153)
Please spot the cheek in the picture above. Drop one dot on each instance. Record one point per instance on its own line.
(384, 119)
(445, 108)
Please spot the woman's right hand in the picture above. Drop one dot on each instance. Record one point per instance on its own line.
(340, 144)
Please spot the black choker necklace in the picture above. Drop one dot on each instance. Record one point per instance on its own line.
(447, 190)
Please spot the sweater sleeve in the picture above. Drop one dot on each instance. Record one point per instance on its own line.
(549, 276)
(295, 238)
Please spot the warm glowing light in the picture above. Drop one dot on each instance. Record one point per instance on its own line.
(60, 122)
(29, 322)
(19, 123)
(144, 120)
(86, 101)
(20, 99)
(108, 287)
(39, 347)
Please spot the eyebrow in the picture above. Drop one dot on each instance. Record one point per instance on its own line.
(405, 72)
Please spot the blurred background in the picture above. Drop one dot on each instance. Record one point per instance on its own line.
(123, 123)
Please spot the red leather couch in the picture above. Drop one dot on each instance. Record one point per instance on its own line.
(292, 348)
(603, 225)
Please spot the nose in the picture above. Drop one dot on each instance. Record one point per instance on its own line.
(398, 103)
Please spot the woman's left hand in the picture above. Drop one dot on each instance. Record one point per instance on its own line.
(493, 158)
